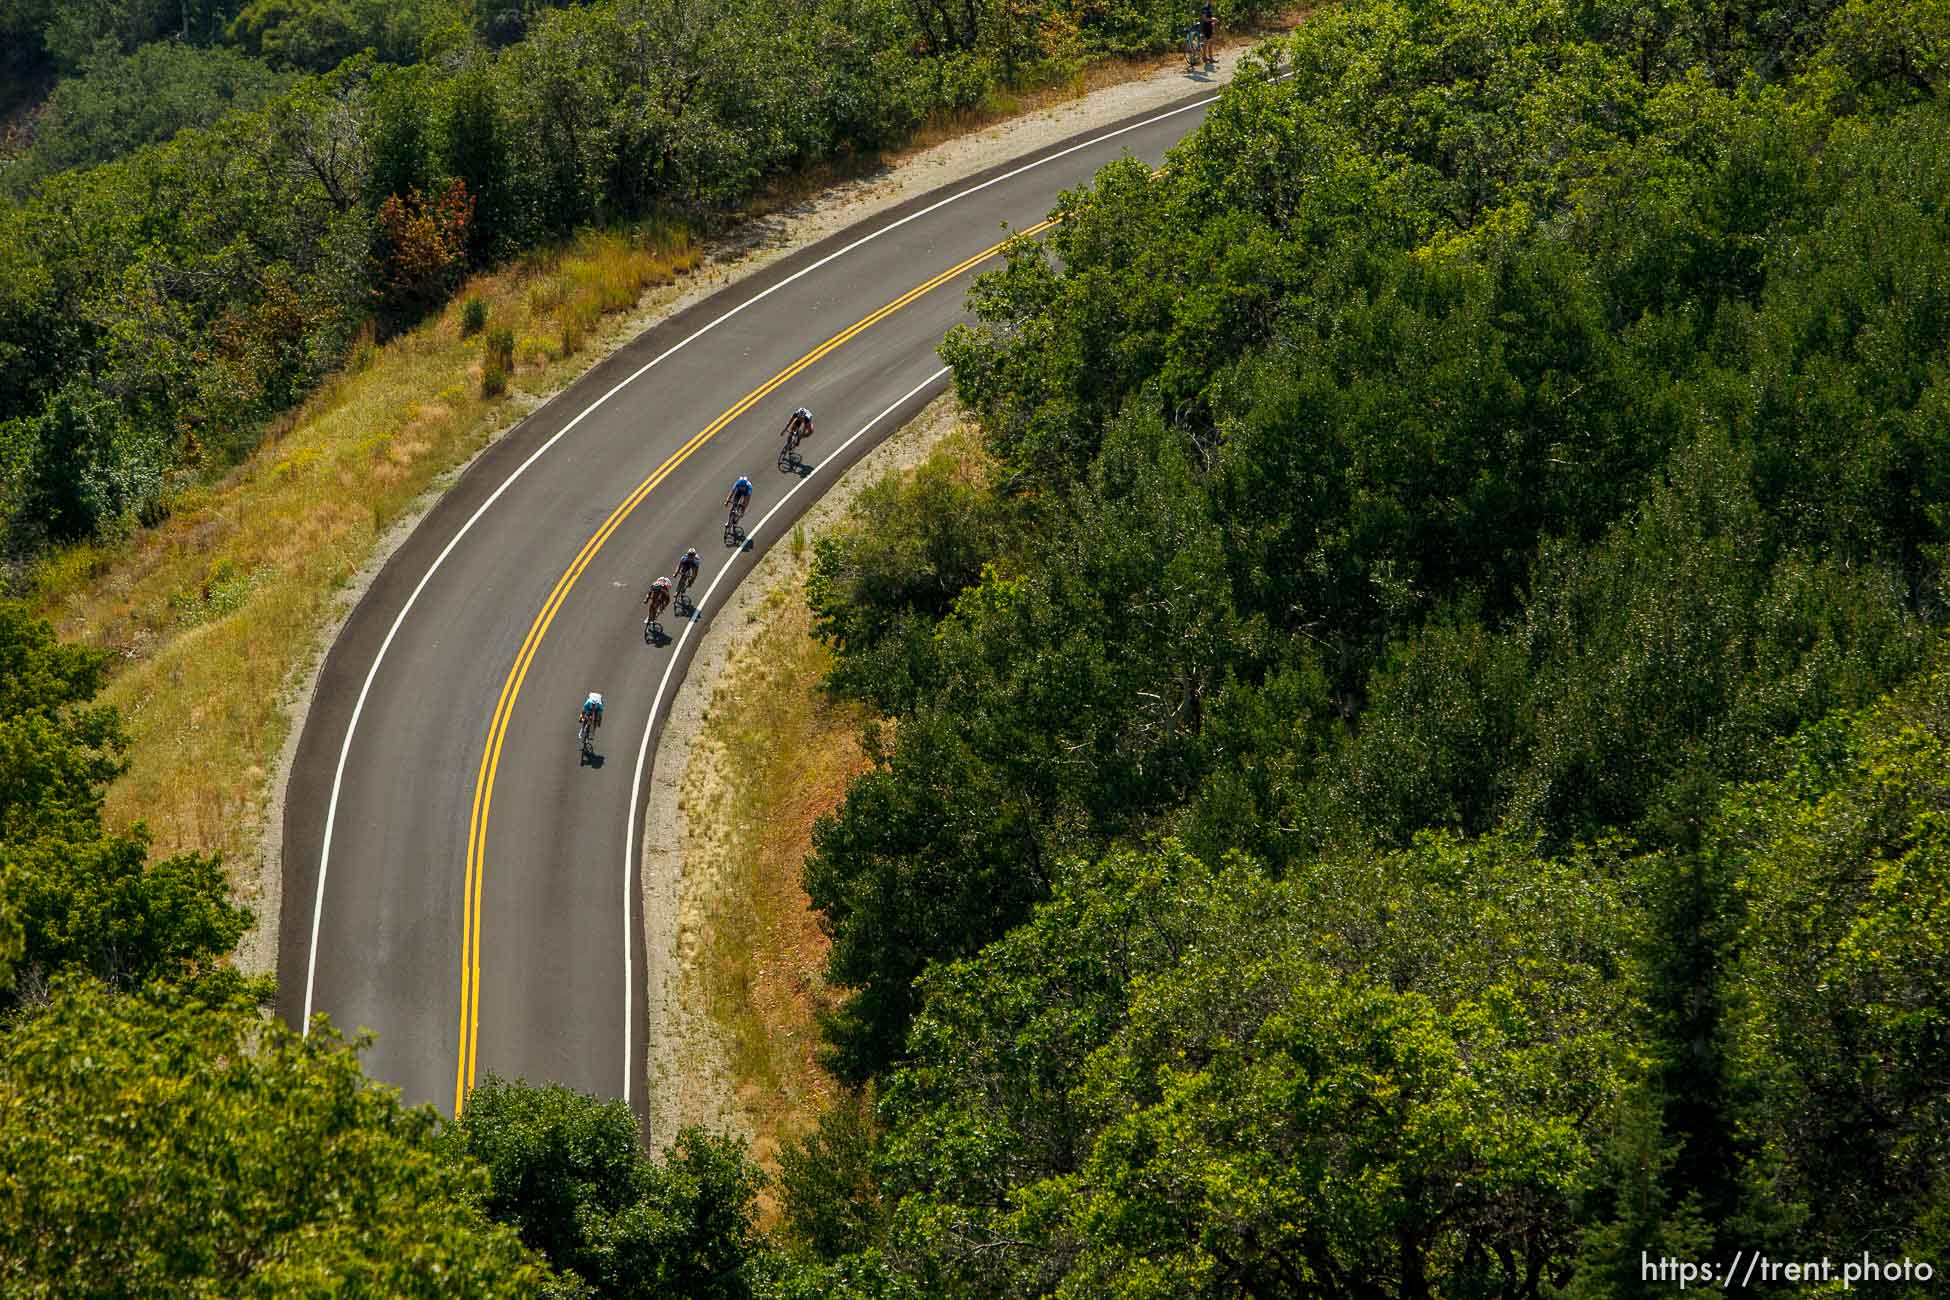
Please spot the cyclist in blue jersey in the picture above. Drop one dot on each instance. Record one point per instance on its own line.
(592, 718)
(739, 497)
(686, 570)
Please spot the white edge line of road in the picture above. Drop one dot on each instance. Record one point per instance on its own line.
(656, 702)
(358, 708)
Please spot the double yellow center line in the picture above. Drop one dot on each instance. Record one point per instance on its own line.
(470, 959)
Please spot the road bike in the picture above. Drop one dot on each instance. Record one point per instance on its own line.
(732, 533)
(789, 461)
(685, 577)
(651, 628)
(585, 733)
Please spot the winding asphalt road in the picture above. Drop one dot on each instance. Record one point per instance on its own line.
(454, 879)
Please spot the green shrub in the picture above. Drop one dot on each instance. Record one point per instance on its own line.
(569, 1173)
(473, 318)
(501, 348)
(500, 362)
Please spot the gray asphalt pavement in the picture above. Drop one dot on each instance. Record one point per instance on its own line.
(518, 950)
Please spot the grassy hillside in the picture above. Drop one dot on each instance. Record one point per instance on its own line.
(209, 612)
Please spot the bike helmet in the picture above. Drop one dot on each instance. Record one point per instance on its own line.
(803, 412)
(690, 552)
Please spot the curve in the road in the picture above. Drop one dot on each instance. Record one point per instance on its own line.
(374, 945)
(531, 646)
(872, 426)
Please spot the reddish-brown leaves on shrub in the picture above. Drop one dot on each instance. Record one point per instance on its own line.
(424, 245)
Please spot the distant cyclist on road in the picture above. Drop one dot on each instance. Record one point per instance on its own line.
(686, 570)
(1208, 26)
(592, 718)
(657, 598)
(739, 497)
(798, 427)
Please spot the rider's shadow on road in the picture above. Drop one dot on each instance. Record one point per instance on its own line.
(796, 467)
(593, 760)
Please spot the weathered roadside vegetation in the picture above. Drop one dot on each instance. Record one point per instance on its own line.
(775, 753)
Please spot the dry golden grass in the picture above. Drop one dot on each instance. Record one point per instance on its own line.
(211, 611)
(775, 753)
(788, 754)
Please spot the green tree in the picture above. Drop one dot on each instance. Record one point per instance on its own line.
(1393, 1075)
(569, 1174)
(878, 588)
(829, 1187)
(102, 906)
(93, 469)
(1068, 714)
(57, 747)
(318, 35)
(123, 103)
(77, 897)
(161, 1145)
(402, 133)
(1837, 982)
(79, 32)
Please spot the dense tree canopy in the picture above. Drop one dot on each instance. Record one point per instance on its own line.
(569, 1173)
(1840, 990)
(1176, 1081)
(159, 1145)
(123, 103)
(1414, 755)
(1473, 498)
